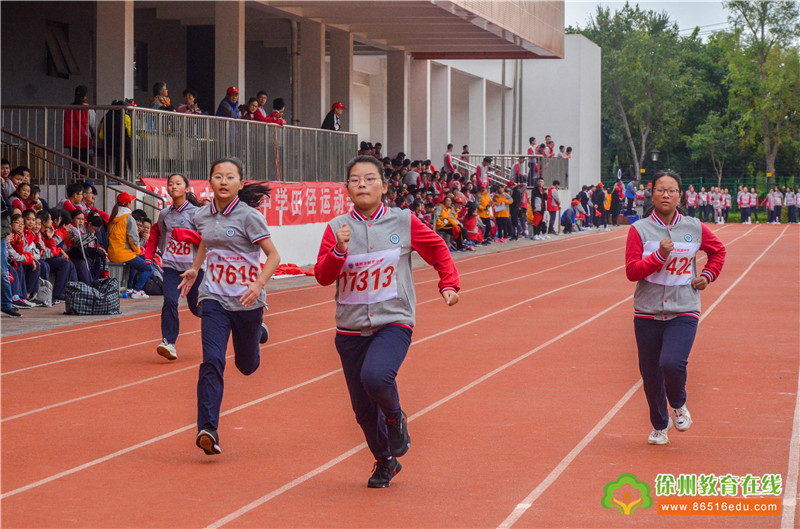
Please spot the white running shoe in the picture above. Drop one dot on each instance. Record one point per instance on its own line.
(139, 294)
(683, 419)
(167, 350)
(660, 437)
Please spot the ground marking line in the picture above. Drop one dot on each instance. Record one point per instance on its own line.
(156, 439)
(260, 501)
(526, 503)
(248, 404)
(180, 370)
(790, 493)
(187, 333)
(270, 293)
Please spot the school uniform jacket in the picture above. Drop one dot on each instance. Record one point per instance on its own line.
(175, 254)
(374, 282)
(663, 289)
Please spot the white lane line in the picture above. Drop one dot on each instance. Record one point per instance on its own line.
(246, 405)
(790, 493)
(156, 439)
(180, 370)
(270, 315)
(526, 503)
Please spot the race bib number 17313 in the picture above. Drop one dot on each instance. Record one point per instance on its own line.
(369, 278)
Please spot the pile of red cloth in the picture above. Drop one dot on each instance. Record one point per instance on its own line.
(293, 270)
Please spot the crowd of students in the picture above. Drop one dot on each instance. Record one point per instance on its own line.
(73, 241)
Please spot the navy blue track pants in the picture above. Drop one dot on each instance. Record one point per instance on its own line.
(170, 322)
(664, 348)
(217, 326)
(370, 365)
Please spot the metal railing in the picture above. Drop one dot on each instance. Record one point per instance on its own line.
(502, 167)
(43, 161)
(135, 143)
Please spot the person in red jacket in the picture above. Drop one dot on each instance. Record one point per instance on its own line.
(367, 253)
(79, 129)
(553, 205)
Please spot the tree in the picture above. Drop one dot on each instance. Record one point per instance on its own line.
(715, 138)
(763, 73)
(644, 85)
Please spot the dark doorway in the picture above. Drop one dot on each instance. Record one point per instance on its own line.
(200, 60)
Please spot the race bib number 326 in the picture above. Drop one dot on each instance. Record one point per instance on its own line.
(369, 278)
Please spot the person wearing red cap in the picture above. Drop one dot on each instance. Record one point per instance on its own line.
(123, 244)
(331, 121)
(229, 106)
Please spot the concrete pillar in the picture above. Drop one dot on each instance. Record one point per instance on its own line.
(342, 75)
(396, 107)
(419, 114)
(114, 51)
(440, 113)
(377, 107)
(477, 115)
(229, 49)
(312, 74)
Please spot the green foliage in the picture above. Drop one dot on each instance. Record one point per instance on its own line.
(727, 107)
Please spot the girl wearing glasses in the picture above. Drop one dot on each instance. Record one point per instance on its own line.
(232, 294)
(367, 253)
(660, 256)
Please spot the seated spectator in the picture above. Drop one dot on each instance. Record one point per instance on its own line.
(123, 244)
(55, 257)
(261, 113)
(228, 107)
(160, 97)
(189, 105)
(89, 196)
(447, 224)
(5, 170)
(15, 177)
(74, 198)
(22, 266)
(377, 150)
(251, 110)
(35, 202)
(278, 107)
(19, 199)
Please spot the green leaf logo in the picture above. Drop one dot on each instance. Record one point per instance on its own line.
(627, 494)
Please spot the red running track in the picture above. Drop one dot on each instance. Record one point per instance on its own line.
(524, 402)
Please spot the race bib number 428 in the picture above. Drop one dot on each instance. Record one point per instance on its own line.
(369, 278)
(227, 271)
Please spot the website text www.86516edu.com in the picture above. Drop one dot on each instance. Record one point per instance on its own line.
(719, 506)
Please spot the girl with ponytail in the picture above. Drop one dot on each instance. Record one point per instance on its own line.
(232, 292)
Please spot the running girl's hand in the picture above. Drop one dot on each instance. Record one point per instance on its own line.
(450, 297)
(343, 238)
(665, 247)
(700, 282)
(189, 277)
(254, 288)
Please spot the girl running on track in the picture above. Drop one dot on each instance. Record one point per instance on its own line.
(660, 255)
(232, 294)
(367, 253)
(176, 257)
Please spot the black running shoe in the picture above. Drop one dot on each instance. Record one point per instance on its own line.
(399, 440)
(264, 333)
(383, 472)
(12, 311)
(208, 440)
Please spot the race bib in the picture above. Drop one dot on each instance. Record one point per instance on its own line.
(227, 270)
(178, 252)
(499, 206)
(369, 278)
(678, 268)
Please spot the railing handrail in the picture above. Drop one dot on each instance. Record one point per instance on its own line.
(85, 165)
(159, 112)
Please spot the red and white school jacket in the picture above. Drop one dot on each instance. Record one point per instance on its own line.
(482, 175)
(374, 281)
(448, 163)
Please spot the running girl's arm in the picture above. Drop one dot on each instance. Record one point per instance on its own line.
(329, 260)
(190, 275)
(432, 248)
(151, 245)
(273, 260)
(715, 251)
(637, 268)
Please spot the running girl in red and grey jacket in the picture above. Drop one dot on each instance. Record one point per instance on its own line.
(367, 253)
(660, 256)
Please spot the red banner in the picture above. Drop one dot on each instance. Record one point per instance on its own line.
(290, 203)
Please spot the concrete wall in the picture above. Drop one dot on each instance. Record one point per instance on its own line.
(166, 56)
(267, 69)
(562, 98)
(24, 60)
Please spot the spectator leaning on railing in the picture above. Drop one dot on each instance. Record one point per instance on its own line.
(228, 107)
